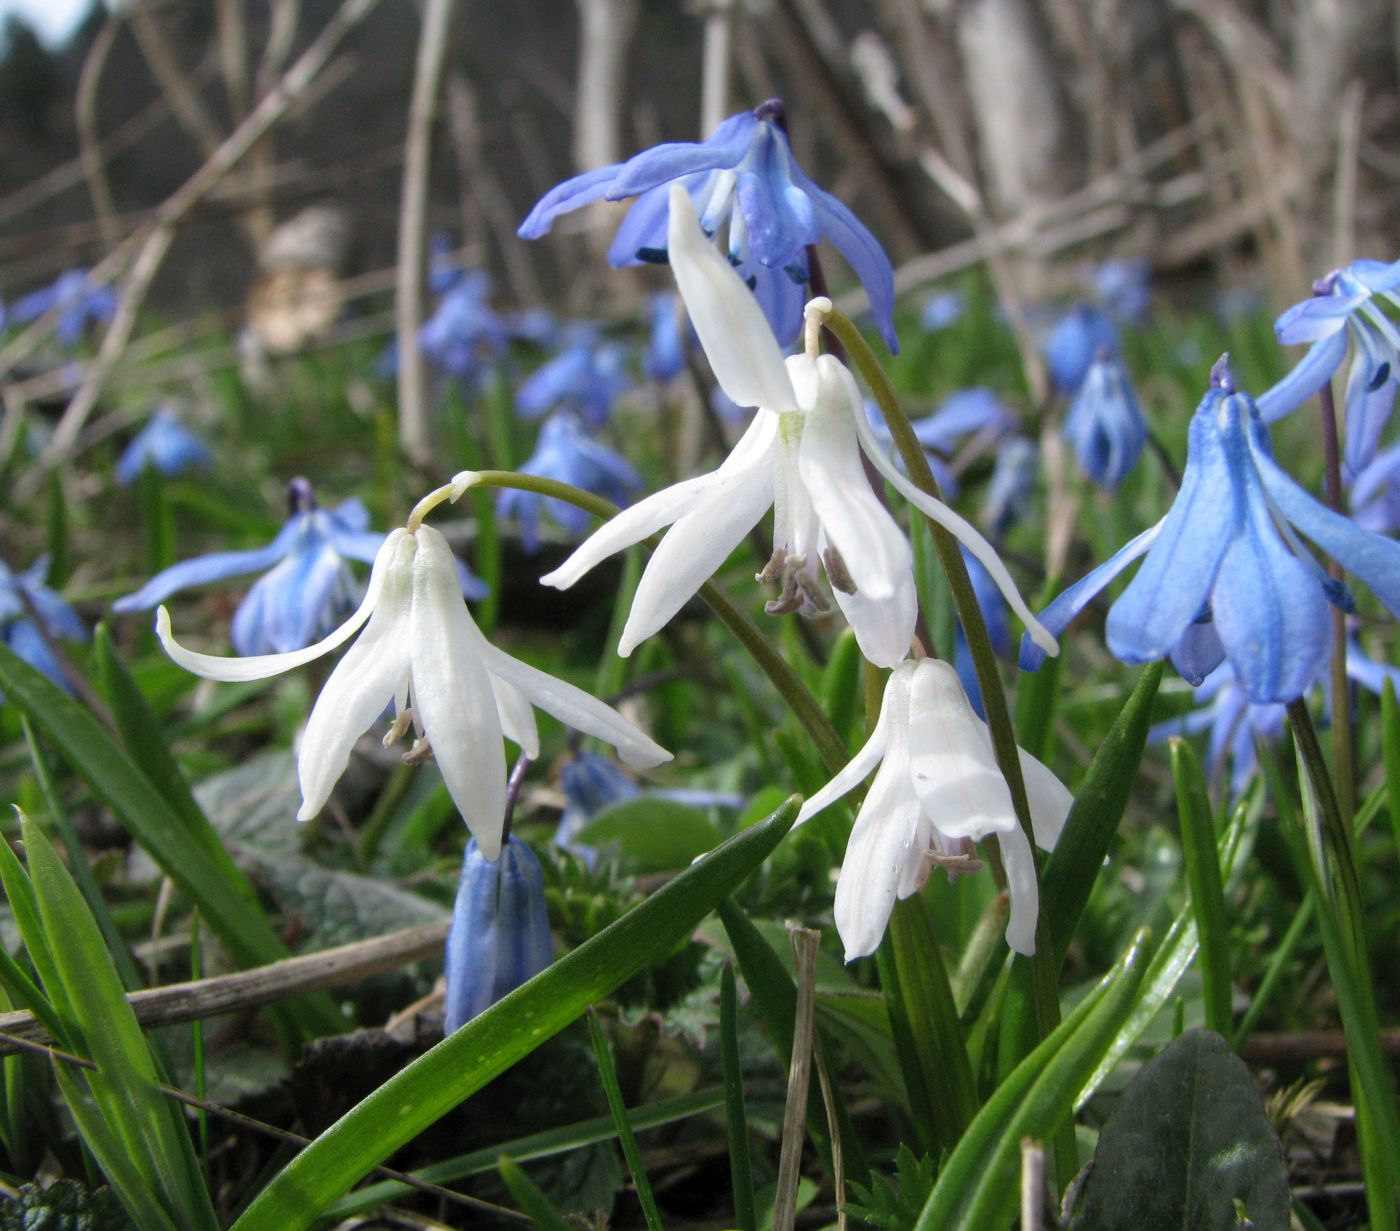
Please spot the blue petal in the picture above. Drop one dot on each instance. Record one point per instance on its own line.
(780, 297)
(1070, 602)
(1312, 371)
(778, 215)
(1367, 412)
(1372, 557)
(862, 251)
(469, 583)
(1318, 316)
(199, 571)
(641, 237)
(1376, 276)
(500, 931)
(661, 164)
(1175, 580)
(24, 638)
(570, 195)
(1198, 653)
(361, 545)
(351, 515)
(524, 508)
(1269, 611)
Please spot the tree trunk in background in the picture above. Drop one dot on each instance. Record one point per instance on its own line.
(605, 34)
(1331, 39)
(1026, 142)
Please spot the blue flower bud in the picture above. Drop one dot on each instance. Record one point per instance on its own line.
(500, 930)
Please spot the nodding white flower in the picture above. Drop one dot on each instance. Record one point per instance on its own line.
(421, 650)
(938, 790)
(801, 455)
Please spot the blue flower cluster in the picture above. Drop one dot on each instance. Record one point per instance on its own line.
(32, 615)
(745, 175)
(164, 444)
(77, 302)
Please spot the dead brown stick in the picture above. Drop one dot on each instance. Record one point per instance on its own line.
(89, 145)
(293, 976)
(804, 945)
(150, 246)
(1266, 1049)
(415, 429)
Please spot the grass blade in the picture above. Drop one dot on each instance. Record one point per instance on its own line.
(531, 1198)
(1198, 845)
(608, 1073)
(735, 1117)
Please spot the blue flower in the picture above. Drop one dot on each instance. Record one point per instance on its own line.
(77, 304)
(665, 358)
(998, 621)
(1236, 724)
(590, 783)
(166, 445)
(1105, 424)
(1226, 564)
(499, 937)
(1074, 342)
(1123, 287)
(1343, 305)
(744, 173)
(567, 453)
(1009, 491)
(1375, 493)
(587, 377)
(309, 588)
(941, 309)
(464, 336)
(26, 604)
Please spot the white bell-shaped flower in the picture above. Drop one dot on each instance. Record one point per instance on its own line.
(422, 651)
(801, 456)
(938, 789)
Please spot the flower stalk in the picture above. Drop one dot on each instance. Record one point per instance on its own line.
(1343, 757)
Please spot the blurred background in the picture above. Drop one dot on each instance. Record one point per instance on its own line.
(1250, 142)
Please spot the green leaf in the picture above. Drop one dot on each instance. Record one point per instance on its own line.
(126, 1081)
(608, 1073)
(735, 1117)
(1390, 753)
(531, 1198)
(928, 1035)
(513, 1027)
(1078, 857)
(977, 1187)
(841, 688)
(1188, 1146)
(537, 1145)
(654, 835)
(1198, 847)
(223, 896)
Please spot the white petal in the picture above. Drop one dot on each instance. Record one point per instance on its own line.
(1049, 799)
(372, 673)
(883, 627)
(884, 842)
(696, 546)
(630, 526)
(952, 765)
(962, 529)
(517, 717)
(893, 708)
(1019, 862)
(452, 694)
(737, 338)
(261, 666)
(575, 708)
(876, 553)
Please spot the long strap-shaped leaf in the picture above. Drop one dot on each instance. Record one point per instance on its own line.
(510, 1029)
(977, 1189)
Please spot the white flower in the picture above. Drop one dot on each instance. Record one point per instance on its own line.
(938, 789)
(800, 455)
(421, 650)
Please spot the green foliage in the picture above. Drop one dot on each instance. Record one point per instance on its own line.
(65, 1205)
(892, 1204)
(1188, 1147)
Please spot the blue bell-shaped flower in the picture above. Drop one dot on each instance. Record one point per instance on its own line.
(500, 930)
